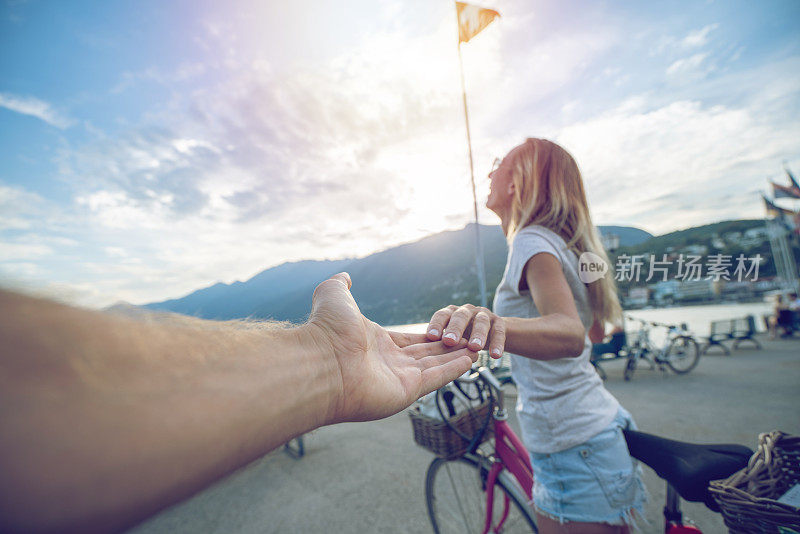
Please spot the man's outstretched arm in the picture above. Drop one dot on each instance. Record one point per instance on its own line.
(105, 420)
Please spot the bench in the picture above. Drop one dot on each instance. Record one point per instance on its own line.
(743, 330)
(720, 331)
(737, 330)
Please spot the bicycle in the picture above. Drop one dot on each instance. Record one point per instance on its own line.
(680, 351)
(506, 467)
(462, 494)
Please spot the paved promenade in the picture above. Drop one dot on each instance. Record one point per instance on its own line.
(368, 477)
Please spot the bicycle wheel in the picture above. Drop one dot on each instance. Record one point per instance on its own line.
(682, 354)
(454, 492)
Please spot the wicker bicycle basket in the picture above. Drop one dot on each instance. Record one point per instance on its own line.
(748, 498)
(436, 436)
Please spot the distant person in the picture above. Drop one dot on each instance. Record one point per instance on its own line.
(794, 302)
(785, 319)
(776, 319)
(794, 308)
(585, 479)
(104, 420)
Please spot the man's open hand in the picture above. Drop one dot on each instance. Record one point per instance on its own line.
(379, 372)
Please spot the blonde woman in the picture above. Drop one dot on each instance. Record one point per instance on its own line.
(585, 480)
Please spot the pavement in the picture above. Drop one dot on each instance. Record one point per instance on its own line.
(369, 477)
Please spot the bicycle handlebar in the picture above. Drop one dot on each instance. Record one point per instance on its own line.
(485, 373)
(654, 323)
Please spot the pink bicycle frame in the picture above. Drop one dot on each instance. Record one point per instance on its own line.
(513, 457)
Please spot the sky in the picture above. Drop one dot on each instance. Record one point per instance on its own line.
(151, 148)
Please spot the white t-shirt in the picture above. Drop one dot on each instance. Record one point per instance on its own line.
(562, 402)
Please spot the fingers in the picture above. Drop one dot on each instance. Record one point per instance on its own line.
(497, 338)
(481, 323)
(426, 348)
(439, 321)
(437, 360)
(460, 322)
(333, 283)
(343, 278)
(402, 339)
(438, 375)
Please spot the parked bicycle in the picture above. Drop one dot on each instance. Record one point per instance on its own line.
(487, 487)
(680, 352)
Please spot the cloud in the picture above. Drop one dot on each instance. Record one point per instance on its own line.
(267, 165)
(699, 37)
(34, 107)
(667, 167)
(687, 65)
(250, 160)
(20, 251)
(258, 163)
(19, 209)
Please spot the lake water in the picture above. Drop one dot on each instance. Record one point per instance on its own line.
(697, 317)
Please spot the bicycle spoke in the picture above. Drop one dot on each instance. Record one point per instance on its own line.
(457, 500)
(682, 354)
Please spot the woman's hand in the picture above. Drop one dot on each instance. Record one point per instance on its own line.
(479, 325)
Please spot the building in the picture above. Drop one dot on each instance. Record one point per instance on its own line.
(737, 290)
(664, 291)
(754, 237)
(697, 250)
(694, 290)
(733, 237)
(638, 297)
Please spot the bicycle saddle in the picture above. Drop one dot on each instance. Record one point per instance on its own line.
(688, 467)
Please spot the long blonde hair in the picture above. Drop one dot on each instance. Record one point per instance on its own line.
(548, 191)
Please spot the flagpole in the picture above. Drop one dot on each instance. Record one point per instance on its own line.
(478, 247)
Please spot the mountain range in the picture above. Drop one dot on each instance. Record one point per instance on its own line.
(400, 285)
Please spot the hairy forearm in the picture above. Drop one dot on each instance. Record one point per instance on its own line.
(104, 420)
(550, 337)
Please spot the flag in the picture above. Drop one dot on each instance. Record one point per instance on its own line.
(472, 19)
(788, 218)
(795, 186)
(774, 210)
(784, 191)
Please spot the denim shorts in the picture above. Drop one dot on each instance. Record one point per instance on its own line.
(594, 482)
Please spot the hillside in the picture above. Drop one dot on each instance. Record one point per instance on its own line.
(717, 238)
(400, 285)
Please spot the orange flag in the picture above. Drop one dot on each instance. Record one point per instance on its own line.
(472, 19)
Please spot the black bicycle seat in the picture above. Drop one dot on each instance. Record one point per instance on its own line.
(686, 466)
